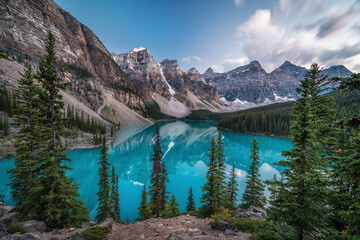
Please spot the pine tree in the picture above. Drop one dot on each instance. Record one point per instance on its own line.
(144, 209)
(301, 202)
(55, 198)
(26, 169)
(158, 194)
(104, 208)
(221, 174)
(232, 189)
(172, 209)
(190, 202)
(345, 195)
(115, 196)
(210, 198)
(254, 190)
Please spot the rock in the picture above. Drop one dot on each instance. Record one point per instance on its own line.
(193, 230)
(28, 236)
(257, 210)
(5, 210)
(3, 232)
(71, 229)
(109, 222)
(8, 218)
(77, 236)
(222, 225)
(252, 213)
(174, 236)
(35, 226)
(85, 225)
(230, 232)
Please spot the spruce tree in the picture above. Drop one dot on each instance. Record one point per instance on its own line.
(190, 202)
(26, 170)
(301, 203)
(115, 196)
(158, 194)
(210, 198)
(144, 209)
(55, 197)
(172, 208)
(254, 190)
(221, 174)
(104, 209)
(232, 189)
(345, 195)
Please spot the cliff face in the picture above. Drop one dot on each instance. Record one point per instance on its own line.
(83, 61)
(172, 89)
(251, 83)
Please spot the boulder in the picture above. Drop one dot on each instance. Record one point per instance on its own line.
(5, 210)
(8, 218)
(109, 222)
(77, 236)
(252, 213)
(223, 225)
(230, 232)
(174, 236)
(85, 225)
(35, 226)
(28, 236)
(254, 209)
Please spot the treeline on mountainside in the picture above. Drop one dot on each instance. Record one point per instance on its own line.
(8, 101)
(72, 120)
(275, 119)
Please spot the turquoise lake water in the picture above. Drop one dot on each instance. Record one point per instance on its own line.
(185, 146)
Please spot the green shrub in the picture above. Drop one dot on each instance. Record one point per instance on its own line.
(15, 227)
(273, 231)
(223, 214)
(5, 56)
(95, 233)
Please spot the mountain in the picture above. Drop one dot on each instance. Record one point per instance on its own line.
(250, 84)
(175, 92)
(96, 82)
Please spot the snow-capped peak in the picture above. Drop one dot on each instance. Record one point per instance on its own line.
(138, 49)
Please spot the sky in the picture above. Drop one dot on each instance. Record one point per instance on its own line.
(225, 34)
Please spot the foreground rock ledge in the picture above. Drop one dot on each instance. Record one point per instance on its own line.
(184, 227)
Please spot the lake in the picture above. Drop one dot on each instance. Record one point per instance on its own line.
(185, 146)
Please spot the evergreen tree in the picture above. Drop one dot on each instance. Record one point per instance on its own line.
(232, 189)
(190, 202)
(144, 209)
(221, 175)
(210, 197)
(55, 198)
(158, 194)
(115, 196)
(345, 195)
(172, 208)
(301, 202)
(254, 190)
(104, 209)
(26, 170)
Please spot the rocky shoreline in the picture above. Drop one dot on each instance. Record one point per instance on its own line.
(183, 227)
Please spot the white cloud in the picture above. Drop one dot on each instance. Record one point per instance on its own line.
(302, 32)
(189, 59)
(238, 2)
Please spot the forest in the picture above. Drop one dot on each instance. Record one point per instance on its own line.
(275, 119)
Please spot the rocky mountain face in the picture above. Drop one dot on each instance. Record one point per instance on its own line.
(83, 61)
(250, 83)
(166, 83)
(144, 72)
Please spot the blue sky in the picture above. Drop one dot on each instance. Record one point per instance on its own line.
(225, 34)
